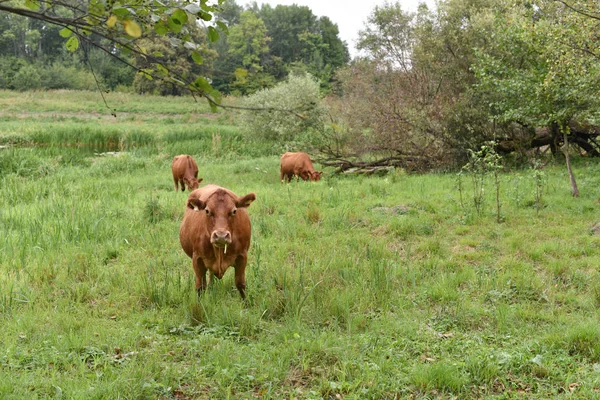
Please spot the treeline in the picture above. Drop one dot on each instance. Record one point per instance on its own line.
(262, 46)
(520, 77)
(524, 75)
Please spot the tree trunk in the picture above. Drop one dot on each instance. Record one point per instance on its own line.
(569, 169)
(554, 132)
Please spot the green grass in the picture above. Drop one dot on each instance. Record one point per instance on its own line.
(82, 102)
(358, 287)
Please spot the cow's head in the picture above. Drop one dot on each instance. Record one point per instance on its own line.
(316, 175)
(221, 213)
(192, 183)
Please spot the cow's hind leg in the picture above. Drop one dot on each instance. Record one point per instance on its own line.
(182, 186)
(240, 275)
(176, 185)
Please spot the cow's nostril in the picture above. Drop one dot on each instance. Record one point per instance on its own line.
(221, 237)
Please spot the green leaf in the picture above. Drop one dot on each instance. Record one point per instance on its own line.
(161, 28)
(157, 54)
(161, 69)
(223, 27)
(205, 16)
(65, 32)
(121, 12)
(197, 57)
(202, 84)
(180, 16)
(32, 4)
(213, 35)
(216, 95)
(72, 44)
(147, 73)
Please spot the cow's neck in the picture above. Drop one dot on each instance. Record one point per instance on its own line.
(220, 264)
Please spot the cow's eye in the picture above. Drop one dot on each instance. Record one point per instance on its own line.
(233, 212)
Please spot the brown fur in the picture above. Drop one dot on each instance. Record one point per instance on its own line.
(299, 165)
(215, 236)
(185, 172)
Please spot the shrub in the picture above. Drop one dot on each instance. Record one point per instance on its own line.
(299, 93)
(27, 78)
(59, 76)
(9, 67)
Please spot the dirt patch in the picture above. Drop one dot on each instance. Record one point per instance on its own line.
(394, 210)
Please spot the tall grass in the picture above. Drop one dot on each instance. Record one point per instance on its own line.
(369, 287)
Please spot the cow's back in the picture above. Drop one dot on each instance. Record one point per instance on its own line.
(184, 165)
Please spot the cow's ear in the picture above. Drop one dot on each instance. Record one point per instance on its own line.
(200, 180)
(245, 201)
(196, 204)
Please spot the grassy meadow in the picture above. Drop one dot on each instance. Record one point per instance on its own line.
(358, 287)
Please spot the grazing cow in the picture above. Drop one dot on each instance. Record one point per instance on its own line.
(185, 171)
(215, 233)
(298, 164)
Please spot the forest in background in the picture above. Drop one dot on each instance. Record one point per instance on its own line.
(433, 86)
(262, 46)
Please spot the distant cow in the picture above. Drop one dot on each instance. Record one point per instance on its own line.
(298, 164)
(215, 233)
(185, 172)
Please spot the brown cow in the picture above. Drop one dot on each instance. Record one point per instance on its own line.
(298, 164)
(215, 233)
(185, 171)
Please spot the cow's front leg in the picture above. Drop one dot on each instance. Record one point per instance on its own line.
(200, 272)
(240, 275)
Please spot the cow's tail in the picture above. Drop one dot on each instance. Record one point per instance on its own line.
(189, 159)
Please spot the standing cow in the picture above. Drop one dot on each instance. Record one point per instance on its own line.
(185, 172)
(298, 164)
(215, 233)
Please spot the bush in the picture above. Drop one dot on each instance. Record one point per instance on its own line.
(59, 76)
(299, 93)
(9, 67)
(26, 79)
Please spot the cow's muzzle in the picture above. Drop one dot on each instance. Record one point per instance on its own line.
(220, 238)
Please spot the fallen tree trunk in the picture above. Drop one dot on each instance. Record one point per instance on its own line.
(345, 165)
(582, 136)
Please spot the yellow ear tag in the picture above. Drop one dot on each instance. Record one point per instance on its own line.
(225, 252)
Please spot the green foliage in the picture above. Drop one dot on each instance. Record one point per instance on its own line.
(26, 78)
(38, 76)
(179, 61)
(271, 42)
(533, 72)
(539, 178)
(299, 95)
(483, 162)
(119, 25)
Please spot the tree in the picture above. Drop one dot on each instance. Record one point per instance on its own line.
(284, 25)
(122, 24)
(540, 72)
(249, 49)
